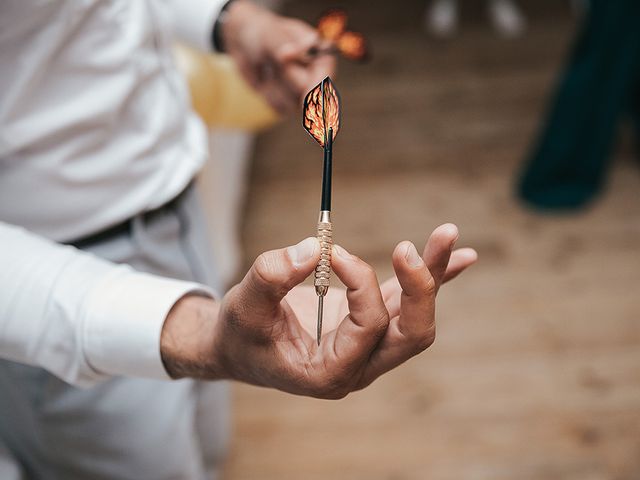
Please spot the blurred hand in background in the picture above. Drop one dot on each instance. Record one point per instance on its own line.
(272, 52)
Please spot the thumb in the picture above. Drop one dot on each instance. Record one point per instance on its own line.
(276, 272)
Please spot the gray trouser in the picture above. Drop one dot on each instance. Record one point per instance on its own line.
(124, 428)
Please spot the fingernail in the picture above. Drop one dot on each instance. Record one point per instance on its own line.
(412, 256)
(453, 228)
(454, 241)
(341, 252)
(303, 251)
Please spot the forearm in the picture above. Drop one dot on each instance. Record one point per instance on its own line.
(188, 340)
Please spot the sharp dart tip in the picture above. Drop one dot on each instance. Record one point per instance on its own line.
(320, 308)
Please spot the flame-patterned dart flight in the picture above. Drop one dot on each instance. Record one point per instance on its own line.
(321, 118)
(332, 27)
(321, 111)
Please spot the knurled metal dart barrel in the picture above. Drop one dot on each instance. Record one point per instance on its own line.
(323, 269)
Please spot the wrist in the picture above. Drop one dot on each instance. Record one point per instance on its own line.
(187, 341)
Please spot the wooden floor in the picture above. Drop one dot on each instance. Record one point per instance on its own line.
(535, 374)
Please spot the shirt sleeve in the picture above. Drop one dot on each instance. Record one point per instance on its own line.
(78, 316)
(193, 20)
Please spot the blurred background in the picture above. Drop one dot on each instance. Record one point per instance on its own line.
(535, 373)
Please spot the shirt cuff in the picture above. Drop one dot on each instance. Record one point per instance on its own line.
(123, 321)
(194, 20)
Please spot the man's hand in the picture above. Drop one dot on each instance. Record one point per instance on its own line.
(272, 53)
(263, 332)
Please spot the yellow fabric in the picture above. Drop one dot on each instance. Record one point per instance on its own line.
(220, 95)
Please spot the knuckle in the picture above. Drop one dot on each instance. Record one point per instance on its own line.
(381, 322)
(430, 286)
(267, 276)
(426, 340)
(263, 267)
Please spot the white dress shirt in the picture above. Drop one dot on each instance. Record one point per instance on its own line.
(95, 127)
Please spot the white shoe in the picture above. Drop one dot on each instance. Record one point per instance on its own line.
(441, 18)
(507, 18)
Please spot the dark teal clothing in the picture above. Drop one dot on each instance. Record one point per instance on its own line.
(599, 85)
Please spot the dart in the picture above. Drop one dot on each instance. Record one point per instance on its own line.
(321, 118)
(332, 28)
